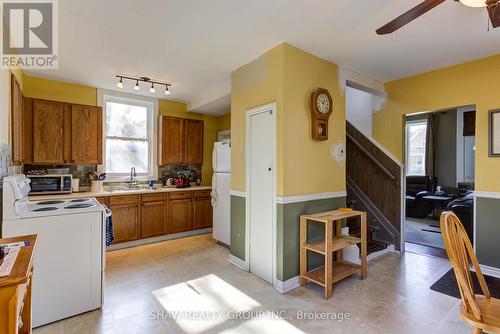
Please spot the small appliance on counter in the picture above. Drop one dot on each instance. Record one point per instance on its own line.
(51, 184)
(182, 181)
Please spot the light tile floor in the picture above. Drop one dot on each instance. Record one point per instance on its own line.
(194, 275)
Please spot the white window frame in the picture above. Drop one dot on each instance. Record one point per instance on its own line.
(407, 141)
(151, 104)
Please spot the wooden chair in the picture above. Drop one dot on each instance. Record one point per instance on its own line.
(480, 311)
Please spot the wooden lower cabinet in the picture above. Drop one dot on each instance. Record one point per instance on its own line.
(181, 215)
(126, 217)
(156, 214)
(154, 219)
(202, 212)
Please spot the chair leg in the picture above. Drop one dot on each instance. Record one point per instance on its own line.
(478, 331)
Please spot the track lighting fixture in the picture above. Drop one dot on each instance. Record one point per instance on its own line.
(120, 83)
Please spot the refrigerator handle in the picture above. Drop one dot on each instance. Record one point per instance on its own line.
(214, 158)
(214, 189)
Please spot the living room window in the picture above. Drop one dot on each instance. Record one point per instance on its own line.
(415, 147)
(128, 137)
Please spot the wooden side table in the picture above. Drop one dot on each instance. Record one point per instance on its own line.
(15, 289)
(335, 267)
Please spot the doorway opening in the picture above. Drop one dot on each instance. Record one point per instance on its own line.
(440, 171)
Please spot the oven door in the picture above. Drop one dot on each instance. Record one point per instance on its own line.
(46, 184)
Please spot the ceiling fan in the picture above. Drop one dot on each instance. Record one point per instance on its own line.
(493, 7)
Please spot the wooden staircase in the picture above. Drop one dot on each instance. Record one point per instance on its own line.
(373, 185)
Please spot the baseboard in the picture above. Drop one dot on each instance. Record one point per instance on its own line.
(238, 262)
(289, 285)
(158, 239)
(351, 254)
(490, 271)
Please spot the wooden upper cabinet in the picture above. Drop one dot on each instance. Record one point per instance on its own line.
(27, 130)
(194, 142)
(50, 132)
(171, 140)
(16, 109)
(86, 134)
(180, 141)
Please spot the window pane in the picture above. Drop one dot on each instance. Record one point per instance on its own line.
(121, 155)
(416, 148)
(123, 120)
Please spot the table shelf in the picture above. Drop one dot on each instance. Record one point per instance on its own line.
(335, 268)
(339, 243)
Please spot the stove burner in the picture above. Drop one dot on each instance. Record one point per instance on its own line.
(49, 202)
(80, 200)
(80, 206)
(48, 208)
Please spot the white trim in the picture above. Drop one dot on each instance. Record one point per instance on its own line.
(273, 107)
(238, 193)
(474, 224)
(289, 285)
(490, 271)
(152, 105)
(310, 197)
(243, 265)
(487, 194)
(153, 240)
(402, 238)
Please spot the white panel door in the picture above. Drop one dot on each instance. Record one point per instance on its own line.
(261, 195)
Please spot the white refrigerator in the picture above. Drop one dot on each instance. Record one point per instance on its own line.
(221, 192)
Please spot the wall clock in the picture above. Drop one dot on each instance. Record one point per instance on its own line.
(321, 109)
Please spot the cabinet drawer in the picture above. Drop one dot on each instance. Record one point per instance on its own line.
(181, 195)
(202, 193)
(153, 197)
(122, 200)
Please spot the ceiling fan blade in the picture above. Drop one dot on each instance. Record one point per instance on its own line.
(494, 11)
(409, 16)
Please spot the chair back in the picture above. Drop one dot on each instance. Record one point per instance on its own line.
(461, 255)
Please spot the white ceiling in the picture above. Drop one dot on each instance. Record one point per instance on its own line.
(195, 44)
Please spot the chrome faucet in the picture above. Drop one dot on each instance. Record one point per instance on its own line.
(132, 175)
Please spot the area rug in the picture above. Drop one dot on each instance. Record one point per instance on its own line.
(448, 285)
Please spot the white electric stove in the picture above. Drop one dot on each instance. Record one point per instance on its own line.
(70, 255)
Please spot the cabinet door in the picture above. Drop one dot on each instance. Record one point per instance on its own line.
(27, 130)
(49, 135)
(16, 111)
(126, 222)
(202, 212)
(171, 141)
(194, 142)
(86, 134)
(153, 219)
(180, 211)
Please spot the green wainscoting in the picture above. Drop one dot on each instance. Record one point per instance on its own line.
(488, 231)
(238, 226)
(288, 233)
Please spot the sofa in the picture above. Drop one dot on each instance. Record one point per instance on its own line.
(464, 209)
(416, 188)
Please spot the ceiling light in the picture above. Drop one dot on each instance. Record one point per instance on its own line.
(167, 91)
(136, 87)
(119, 84)
(474, 3)
(152, 89)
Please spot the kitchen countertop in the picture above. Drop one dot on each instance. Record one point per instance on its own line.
(115, 193)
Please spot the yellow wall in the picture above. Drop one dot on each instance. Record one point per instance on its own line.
(224, 122)
(471, 83)
(40, 88)
(288, 76)
(307, 164)
(255, 84)
(177, 109)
